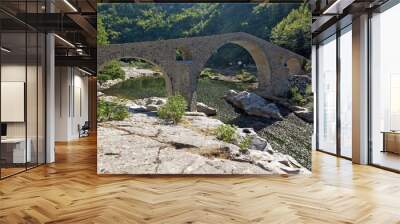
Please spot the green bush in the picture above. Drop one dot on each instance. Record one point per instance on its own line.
(208, 73)
(307, 66)
(108, 111)
(111, 71)
(174, 109)
(226, 132)
(103, 77)
(309, 90)
(296, 97)
(245, 144)
(246, 76)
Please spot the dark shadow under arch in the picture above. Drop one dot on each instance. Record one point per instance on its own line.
(259, 57)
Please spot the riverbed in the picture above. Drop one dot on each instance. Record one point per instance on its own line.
(290, 136)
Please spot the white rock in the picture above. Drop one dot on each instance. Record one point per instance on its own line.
(305, 115)
(152, 107)
(155, 101)
(257, 143)
(132, 72)
(209, 111)
(109, 83)
(253, 104)
(195, 113)
(142, 144)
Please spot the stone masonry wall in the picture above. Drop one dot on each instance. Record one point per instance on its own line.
(275, 65)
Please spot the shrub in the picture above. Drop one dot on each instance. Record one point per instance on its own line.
(245, 76)
(245, 144)
(103, 77)
(307, 66)
(309, 90)
(107, 111)
(208, 73)
(226, 132)
(296, 97)
(174, 109)
(111, 71)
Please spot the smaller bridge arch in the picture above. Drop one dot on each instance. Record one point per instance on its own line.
(168, 84)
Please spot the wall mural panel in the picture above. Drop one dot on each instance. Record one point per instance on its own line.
(204, 89)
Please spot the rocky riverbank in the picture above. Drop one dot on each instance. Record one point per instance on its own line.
(144, 144)
(290, 135)
(133, 72)
(130, 73)
(287, 128)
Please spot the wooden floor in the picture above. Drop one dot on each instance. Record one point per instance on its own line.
(386, 159)
(5, 172)
(69, 191)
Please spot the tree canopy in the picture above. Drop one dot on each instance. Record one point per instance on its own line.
(124, 23)
(294, 31)
(102, 37)
(111, 71)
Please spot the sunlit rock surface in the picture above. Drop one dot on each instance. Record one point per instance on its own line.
(144, 144)
(252, 104)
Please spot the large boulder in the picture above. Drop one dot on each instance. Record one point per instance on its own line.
(305, 114)
(301, 112)
(134, 108)
(257, 143)
(209, 111)
(151, 103)
(253, 104)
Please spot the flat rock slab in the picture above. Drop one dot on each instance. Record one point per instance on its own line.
(144, 144)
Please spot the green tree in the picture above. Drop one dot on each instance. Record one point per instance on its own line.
(111, 71)
(147, 22)
(110, 111)
(174, 109)
(102, 37)
(294, 31)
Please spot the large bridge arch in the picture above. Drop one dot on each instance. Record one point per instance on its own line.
(259, 56)
(256, 52)
(275, 65)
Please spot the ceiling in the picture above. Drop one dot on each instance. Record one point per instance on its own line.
(330, 15)
(73, 21)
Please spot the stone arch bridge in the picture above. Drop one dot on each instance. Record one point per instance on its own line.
(274, 64)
